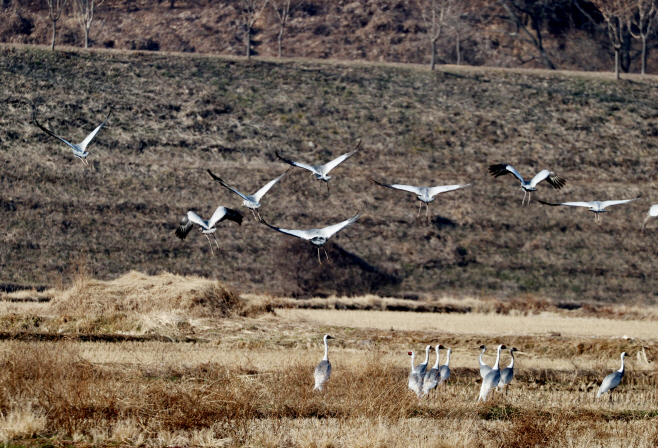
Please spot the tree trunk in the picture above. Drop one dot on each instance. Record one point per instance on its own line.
(171, 4)
(86, 37)
(459, 55)
(280, 38)
(248, 42)
(52, 44)
(617, 63)
(433, 63)
(644, 53)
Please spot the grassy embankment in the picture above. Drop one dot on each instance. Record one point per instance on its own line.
(175, 116)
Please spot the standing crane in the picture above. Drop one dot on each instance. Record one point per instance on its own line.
(491, 380)
(323, 369)
(613, 380)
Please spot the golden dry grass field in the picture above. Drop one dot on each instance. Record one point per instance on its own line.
(93, 367)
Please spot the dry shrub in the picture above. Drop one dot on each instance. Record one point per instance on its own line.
(21, 421)
(136, 292)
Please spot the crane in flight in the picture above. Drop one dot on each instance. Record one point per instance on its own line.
(597, 207)
(321, 171)
(424, 194)
(207, 227)
(317, 237)
(79, 149)
(251, 202)
(528, 186)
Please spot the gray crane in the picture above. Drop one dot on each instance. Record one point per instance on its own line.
(431, 379)
(597, 207)
(323, 369)
(491, 380)
(425, 194)
(528, 186)
(80, 149)
(251, 202)
(207, 227)
(317, 237)
(445, 371)
(484, 368)
(652, 214)
(417, 374)
(507, 373)
(613, 380)
(321, 171)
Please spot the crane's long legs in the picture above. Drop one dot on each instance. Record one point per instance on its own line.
(419, 207)
(216, 243)
(325, 254)
(427, 212)
(319, 260)
(211, 251)
(255, 217)
(328, 188)
(523, 200)
(529, 195)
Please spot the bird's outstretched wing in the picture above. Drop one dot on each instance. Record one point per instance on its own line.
(330, 231)
(186, 224)
(260, 193)
(553, 179)
(303, 234)
(297, 164)
(502, 169)
(52, 134)
(227, 186)
(338, 160)
(409, 188)
(571, 204)
(223, 213)
(85, 142)
(624, 201)
(446, 188)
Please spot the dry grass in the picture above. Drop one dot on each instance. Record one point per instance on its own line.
(177, 116)
(222, 402)
(140, 293)
(480, 324)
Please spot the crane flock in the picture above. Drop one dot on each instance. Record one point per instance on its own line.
(421, 381)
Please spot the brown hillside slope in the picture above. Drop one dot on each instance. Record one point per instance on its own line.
(176, 116)
(374, 30)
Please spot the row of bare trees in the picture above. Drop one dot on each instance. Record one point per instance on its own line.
(84, 10)
(622, 20)
(624, 17)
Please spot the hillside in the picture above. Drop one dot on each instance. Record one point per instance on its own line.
(174, 116)
(573, 33)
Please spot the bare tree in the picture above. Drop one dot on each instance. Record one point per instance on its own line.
(534, 13)
(250, 12)
(615, 13)
(85, 11)
(458, 10)
(55, 8)
(643, 19)
(282, 10)
(435, 14)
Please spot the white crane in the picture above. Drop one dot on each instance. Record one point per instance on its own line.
(491, 380)
(425, 194)
(417, 374)
(431, 379)
(507, 373)
(597, 207)
(317, 237)
(323, 369)
(251, 202)
(653, 214)
(321, 171)
(484, 368)
(613, 380)
(207, 227)
(445, 371)
(80, 149)
(528, 186)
